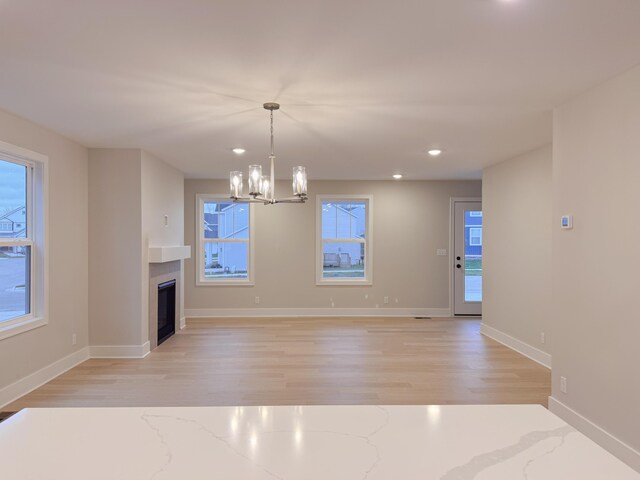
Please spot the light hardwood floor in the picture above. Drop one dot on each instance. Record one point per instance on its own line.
(304, 361)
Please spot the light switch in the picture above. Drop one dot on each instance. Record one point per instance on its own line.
(441, 252)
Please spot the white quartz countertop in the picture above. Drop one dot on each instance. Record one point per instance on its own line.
(319, 442)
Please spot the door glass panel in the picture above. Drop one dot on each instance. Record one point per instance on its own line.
(473, 256)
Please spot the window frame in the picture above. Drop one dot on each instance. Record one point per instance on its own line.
(367, 241)
(36, 238)
(477, 236)
(201, 280)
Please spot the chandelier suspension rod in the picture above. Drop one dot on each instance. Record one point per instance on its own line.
(272, 152)
(272, 158)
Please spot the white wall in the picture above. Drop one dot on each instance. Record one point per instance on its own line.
(130, 193)
(517, 216)
(162, 191)
(115, 253)
(162, 194)
(596, 266)
(31, 351)
(411, 221)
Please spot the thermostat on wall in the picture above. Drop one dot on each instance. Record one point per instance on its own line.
(566, 222)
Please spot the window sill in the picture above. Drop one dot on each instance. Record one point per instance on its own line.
(333, 283)
(9, 328)
(225, 283)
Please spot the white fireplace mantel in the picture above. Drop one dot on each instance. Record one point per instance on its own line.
(169, 254)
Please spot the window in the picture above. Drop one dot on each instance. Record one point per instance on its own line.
(344, 249)
(224, 242)
(15, 247)
(475, 237)
(22, 234)
(475, 214)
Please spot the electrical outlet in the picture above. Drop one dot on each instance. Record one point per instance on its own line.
(542, 338)
(74, 339)
(366, 296)
(257, 300)
(563, 384)
(386, 299)
(396, 299)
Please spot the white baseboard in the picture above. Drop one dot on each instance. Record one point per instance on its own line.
(120, 351)
(316, 312)
(519, 346)
(12, 392)
(183, 323)
(613, 445)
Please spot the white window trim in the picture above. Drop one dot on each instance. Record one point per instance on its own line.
(368, 243)
(39, 239)
(201, 280)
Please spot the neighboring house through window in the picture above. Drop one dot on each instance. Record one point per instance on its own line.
(225, 250)
(344, 245)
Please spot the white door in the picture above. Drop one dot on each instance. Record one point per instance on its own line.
(467, 258)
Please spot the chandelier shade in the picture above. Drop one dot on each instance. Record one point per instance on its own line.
(265, 187)
(235, 183)
(255, 176)
(299, 181)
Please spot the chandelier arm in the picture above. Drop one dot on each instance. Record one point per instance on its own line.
(267, 201)
(296, 199)
(256, 199)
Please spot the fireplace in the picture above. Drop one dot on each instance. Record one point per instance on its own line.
(166, 310)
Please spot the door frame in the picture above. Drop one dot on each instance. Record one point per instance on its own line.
(452, 226)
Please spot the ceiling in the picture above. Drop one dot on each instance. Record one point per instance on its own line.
(366, 87)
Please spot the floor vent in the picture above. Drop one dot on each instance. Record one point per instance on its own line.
(422, 318)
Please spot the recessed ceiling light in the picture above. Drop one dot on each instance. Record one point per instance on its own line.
(397, 176)
(434, 152)
(238, 151)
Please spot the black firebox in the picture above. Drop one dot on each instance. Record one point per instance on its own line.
(166, 310)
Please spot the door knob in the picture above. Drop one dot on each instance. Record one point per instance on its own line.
(458, 258)
(458, 266)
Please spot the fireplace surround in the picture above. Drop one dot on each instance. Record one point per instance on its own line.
(161, 274)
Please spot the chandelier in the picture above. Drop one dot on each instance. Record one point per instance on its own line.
(262, 188)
